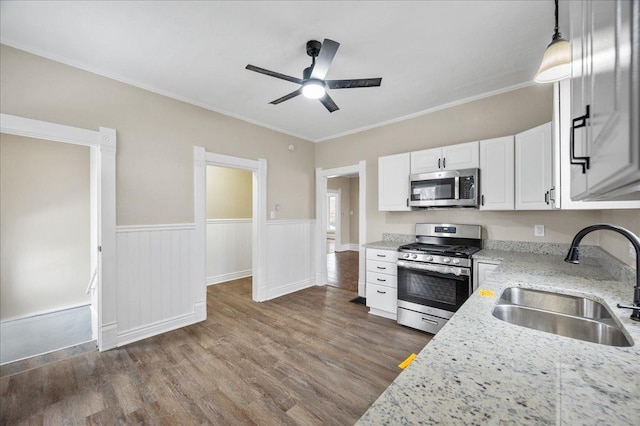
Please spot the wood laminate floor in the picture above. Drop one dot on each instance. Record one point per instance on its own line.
(342, 270)
(306, 358)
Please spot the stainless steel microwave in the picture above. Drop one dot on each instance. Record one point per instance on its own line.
(448, 188)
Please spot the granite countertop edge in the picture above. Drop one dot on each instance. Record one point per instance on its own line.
(481, 370)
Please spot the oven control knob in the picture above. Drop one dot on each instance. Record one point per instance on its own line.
(456, 261)
(446, 259)
(428, 258)
(406, 255)
(414, 256)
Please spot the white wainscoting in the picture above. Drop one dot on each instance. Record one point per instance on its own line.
(228, 249)
(155, 274)
(290, 256)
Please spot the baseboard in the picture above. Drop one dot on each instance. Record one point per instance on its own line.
(45, 312)
(200, 309)
(347, 247)
(217, 279)
(109, 336)
(289, 288)
(153, 329)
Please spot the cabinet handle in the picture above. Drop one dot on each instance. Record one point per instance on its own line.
(444, 163)
(381, 292)
(381, 267)
(381, 255)
(546, 197)
(482, 199)
(407, 202)
(438, 162)
(552, 197)
(381, 280)
(429, 321)
(578, 123)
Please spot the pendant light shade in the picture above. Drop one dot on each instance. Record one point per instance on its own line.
(556, 61)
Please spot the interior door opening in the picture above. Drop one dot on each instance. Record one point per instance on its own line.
(48, 237)
(340, 206)
(229, 207)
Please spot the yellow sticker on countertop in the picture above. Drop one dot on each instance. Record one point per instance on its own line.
(486, 293)
(404, 364)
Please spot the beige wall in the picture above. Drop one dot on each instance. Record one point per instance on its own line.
(499, 115)
(342, 183)
(354, 225)
(156, 136)
(615, 243)
(44, 225)
(229, 193)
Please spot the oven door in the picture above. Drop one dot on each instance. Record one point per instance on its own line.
(437, 286)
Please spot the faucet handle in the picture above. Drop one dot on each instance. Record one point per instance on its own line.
(635, 308)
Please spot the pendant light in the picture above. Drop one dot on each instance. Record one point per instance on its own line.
(556, 61)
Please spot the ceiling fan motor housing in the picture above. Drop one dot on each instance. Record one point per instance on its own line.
(313, 48)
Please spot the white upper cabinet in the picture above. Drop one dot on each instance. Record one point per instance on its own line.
(393, 182)
(452, 157)
(497, 184)
(534, 169)
(604, 100)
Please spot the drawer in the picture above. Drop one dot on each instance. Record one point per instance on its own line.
(382, 298)
(382, 255)
(382, 267)
(382, 279)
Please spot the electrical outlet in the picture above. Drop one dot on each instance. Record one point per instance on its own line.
(273, 214)
(538, 230)
(632, 251)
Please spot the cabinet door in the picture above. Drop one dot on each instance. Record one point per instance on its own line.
(613, 158)
(393, 182)
(461, 156)
(482, 269)
(427, 160)
(579, 96)
(534, 168)
(497, 178)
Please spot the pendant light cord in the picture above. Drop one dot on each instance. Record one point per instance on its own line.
(556, 34)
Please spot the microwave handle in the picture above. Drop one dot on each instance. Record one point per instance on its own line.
(456, 191)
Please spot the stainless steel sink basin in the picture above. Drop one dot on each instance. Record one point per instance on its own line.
(555, 302)
(562, 314)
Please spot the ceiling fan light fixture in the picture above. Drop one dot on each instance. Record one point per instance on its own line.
(313, 89)
(556, 61)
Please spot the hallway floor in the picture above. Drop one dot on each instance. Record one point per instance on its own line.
(342, 270)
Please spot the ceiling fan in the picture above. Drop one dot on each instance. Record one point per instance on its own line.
(312, 84)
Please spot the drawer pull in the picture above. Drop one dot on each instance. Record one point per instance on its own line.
(380, 279)
(429, 321)
(381, 267)
(381, 255)
(381, 292)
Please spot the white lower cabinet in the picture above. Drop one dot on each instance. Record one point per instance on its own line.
(482, 269)
(382, 282)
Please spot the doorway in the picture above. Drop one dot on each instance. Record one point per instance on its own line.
(352, 232)
(100, 282)
(333, 225)
(258, 170)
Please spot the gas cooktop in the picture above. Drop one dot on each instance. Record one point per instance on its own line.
(440, 249)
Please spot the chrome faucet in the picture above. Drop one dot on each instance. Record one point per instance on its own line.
(573, 256)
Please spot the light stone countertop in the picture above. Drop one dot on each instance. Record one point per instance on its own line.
(481, 370)
(384, 245)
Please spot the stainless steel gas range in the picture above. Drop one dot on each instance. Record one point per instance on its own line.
(434, 274)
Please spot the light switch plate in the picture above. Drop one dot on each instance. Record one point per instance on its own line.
(538, 230)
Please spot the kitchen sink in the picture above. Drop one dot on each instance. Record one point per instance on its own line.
(562, 314)
(555, 302)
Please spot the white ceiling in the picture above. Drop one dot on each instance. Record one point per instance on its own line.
(429, 54)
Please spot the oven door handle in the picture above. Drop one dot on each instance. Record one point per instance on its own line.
(442, 269)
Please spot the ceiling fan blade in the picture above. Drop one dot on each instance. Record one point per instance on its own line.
(328, 103)
(325, 57)
(351, 84)
(287, 97)
(273, 74)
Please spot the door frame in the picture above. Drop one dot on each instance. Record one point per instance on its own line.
(337, 233)
(102, 144)
(258, 169)
(321, 210)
